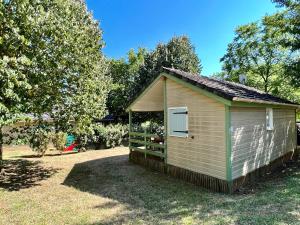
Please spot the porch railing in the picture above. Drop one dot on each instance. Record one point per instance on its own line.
(143, 142)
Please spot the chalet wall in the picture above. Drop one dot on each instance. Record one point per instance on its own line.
(152, 100)
(252, 145)
(206, 153)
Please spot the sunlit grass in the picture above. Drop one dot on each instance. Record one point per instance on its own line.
(102, 187)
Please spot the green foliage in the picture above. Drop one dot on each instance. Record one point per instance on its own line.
(51, 61)
(111, 135)
(72, 85)
(257, 52)
(13, 63)
(39, 140)
(115, 134)
(59, 140)
(16, 135)
(130, 76)
(124, 75)
(289, 24)
(178, 53)
(152, 127)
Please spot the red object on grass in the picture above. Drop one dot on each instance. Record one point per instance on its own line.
(70, 148)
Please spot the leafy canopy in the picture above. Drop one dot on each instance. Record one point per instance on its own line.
(52, 62)
(289, 24)
(134, 73)
(256, 51)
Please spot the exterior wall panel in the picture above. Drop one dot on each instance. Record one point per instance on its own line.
(253, 146)
(205, 153)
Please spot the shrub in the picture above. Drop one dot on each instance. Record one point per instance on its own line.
(111, 135)
(59, 140)
(39, 140)
(16, 135)
(115, 134)
(153, 127)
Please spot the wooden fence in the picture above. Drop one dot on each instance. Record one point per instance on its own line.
(144, 143)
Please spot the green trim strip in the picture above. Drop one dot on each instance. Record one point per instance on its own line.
(130, 127)
(260, 105)
(228, 146)
(197, 89)
(146, 143)
(142, 134)
(165, 120)
(148, 152)
(296, 135)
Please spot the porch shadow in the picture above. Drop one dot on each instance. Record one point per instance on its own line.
(20, 174)
(153, 197)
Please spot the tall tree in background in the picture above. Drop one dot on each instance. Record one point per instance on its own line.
(13, 66)
(51, 62)
(71, 84)
(178, 53)
(124, 74)
(256, 51)
(289, 24)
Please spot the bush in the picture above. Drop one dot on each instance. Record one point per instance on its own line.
(152, 127)
(59, 140)
(115, 134)
(111, 135)
(16, 135)
(39, 140)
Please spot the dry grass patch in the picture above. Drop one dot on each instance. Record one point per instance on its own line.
(102, 187)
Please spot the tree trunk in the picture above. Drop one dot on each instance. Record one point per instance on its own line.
(1, 150)
(266, 87)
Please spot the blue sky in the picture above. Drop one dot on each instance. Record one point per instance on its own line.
(129, 24)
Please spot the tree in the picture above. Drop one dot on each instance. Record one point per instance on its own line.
(134, 73)
(123, 73)
(178, 53)
(13, 65)
(256, 51)
(53, 50)
(289, 24)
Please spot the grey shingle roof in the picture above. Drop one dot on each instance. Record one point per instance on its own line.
(225, 89)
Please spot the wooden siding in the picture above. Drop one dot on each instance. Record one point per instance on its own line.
(252, 145)
(206, 152)
(152, 100)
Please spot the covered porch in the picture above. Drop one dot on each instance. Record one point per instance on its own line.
(145, 140)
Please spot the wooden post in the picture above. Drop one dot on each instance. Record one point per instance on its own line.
(130, 128)
(165, 119)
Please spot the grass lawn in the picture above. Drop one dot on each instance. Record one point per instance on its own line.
(102, 187)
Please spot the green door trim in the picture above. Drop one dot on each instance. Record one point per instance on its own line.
(165, 120)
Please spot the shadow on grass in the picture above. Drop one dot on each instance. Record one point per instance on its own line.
(154, 198)
(20, 174)
(34, 156)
